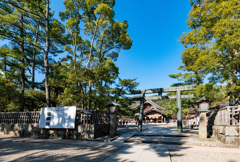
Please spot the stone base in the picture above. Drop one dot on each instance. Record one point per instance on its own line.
(33, 130)
(228, 134)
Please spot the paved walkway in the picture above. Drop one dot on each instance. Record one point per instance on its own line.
(141, 153)
(163, 143)
(168, 134)
(157, 142)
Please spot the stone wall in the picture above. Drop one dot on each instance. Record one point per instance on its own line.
(33, 130)
(25, 124)
(228, 134)
(19, 130)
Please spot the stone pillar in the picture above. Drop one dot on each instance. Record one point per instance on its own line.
(238, 125)
(113, 110)
(141, 112)
(179, 111)
(202, 130)
(203, 108)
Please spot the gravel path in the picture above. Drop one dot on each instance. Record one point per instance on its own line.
(203, 154)
(25, 151)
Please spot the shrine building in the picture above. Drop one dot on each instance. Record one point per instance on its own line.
(152, 112)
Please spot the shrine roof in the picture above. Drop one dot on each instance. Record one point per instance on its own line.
(156, 105)
(153, 108)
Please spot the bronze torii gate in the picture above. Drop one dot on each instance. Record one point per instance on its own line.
(160, 91)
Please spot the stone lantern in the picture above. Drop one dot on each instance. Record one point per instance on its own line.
(113, 109)
(203, 105)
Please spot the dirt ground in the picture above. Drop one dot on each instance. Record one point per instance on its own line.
(24, 151)
(203, 154)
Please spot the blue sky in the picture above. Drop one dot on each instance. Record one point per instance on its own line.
(155, 27)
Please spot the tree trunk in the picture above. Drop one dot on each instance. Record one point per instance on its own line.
(34, 57)
(234, 83)
(90, 53)
(89, 59)
(5, 63)
(82, 94)
(22, 70)
(74, 37)
(34, 64)
(46, 64)
(90, 94)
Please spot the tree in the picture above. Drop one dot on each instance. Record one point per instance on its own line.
(92, 70)
(169, 105)
(120, 92)
(46, 63)
(14, 28)
(74, 17)
(124, 87)
(212, 46)
(22, 26)
(82, 78)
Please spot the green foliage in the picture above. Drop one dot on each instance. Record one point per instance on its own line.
(90, 73)
(84, 77)
(34, 95)
(185, 111)
(9, 97)
(8, 94)
(170, 106)
(22, 26)
(120, 92)
(212, 49)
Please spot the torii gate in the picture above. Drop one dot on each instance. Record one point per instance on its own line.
(160, 91)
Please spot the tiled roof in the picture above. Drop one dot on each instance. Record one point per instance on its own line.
(135, 105)
(154, 106)
(113, 103)
(193, 111)
(175, 116)
(204, 99)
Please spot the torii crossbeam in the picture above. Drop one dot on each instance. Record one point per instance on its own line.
(160, 91)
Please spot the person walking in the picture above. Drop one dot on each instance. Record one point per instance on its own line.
(120, 122)
(192, 124)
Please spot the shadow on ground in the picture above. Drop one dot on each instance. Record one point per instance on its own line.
(26, 151)
(150, 143)
(165, 141)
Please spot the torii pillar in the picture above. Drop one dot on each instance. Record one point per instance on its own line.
(140, 120)
(179, 111)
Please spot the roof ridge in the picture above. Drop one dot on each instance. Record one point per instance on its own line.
(157, 105)
(154, 109)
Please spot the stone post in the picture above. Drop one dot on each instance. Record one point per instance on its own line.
(140, 120)
(238, 125)
(203, 108)
(202, 132)
(113, 110)
(179, 111)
